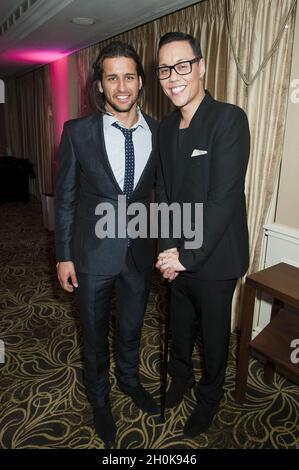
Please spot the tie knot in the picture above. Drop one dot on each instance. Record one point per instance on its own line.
(126, 132)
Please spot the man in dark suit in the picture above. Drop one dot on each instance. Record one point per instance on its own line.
(105, 156)
(204, 150)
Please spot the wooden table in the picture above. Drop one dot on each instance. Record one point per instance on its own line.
(273, 344)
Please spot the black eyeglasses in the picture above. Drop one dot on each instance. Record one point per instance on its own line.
(182, 68)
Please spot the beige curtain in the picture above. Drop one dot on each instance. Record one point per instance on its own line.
(257, 79)
(206, 21)
(254, 27)
(30, 131)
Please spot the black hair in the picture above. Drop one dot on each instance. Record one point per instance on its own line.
(178, 36)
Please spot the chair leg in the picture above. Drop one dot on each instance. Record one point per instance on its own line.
(243, 357)
(277, 305)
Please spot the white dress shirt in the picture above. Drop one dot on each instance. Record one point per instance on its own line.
(115, 146)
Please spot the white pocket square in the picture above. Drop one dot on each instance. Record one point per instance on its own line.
(197, 153)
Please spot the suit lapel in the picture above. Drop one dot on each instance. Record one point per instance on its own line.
(174, 160)
(196, 132)
(99, 141)
(169, 153)
(151, 156)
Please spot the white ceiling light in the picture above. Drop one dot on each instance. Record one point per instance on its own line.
(83, 21)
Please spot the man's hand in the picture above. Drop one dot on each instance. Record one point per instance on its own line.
(170, 274)
(66, 270)
(169, 265)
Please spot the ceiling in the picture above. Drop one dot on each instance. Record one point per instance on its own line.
(35, 32)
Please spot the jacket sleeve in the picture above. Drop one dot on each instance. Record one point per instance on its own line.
(230, 153)
(66, 198)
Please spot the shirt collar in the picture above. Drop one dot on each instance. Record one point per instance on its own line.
(109, 119)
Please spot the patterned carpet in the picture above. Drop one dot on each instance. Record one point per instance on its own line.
(42, 399)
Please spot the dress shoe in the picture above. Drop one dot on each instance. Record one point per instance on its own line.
(200, 420)
(141, 398)
(176, 391)
(104, 425)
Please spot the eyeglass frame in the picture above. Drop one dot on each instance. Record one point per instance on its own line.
(173, 67)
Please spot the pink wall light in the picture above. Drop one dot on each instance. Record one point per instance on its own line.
(33, 56)
(60, 97)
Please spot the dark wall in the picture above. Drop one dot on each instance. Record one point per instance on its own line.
(2, 131)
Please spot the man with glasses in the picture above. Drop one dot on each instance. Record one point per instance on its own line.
(204, 150)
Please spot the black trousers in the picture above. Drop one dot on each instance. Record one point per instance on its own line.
(207, 305)
(94, 295)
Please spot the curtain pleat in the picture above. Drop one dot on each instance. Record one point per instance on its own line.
(255, 27)
(205, 21)
(30, 125)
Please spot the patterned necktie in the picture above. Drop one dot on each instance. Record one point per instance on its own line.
(129, 160)
(129, 163)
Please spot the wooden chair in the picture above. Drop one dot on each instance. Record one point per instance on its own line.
(273, 344)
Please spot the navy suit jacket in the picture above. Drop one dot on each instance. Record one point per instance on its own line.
(84, 180)
(216, 179)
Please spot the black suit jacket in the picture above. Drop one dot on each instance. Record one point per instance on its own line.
(216, 179)
(84, 180)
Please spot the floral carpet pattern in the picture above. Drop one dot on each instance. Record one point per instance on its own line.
(42, 399)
